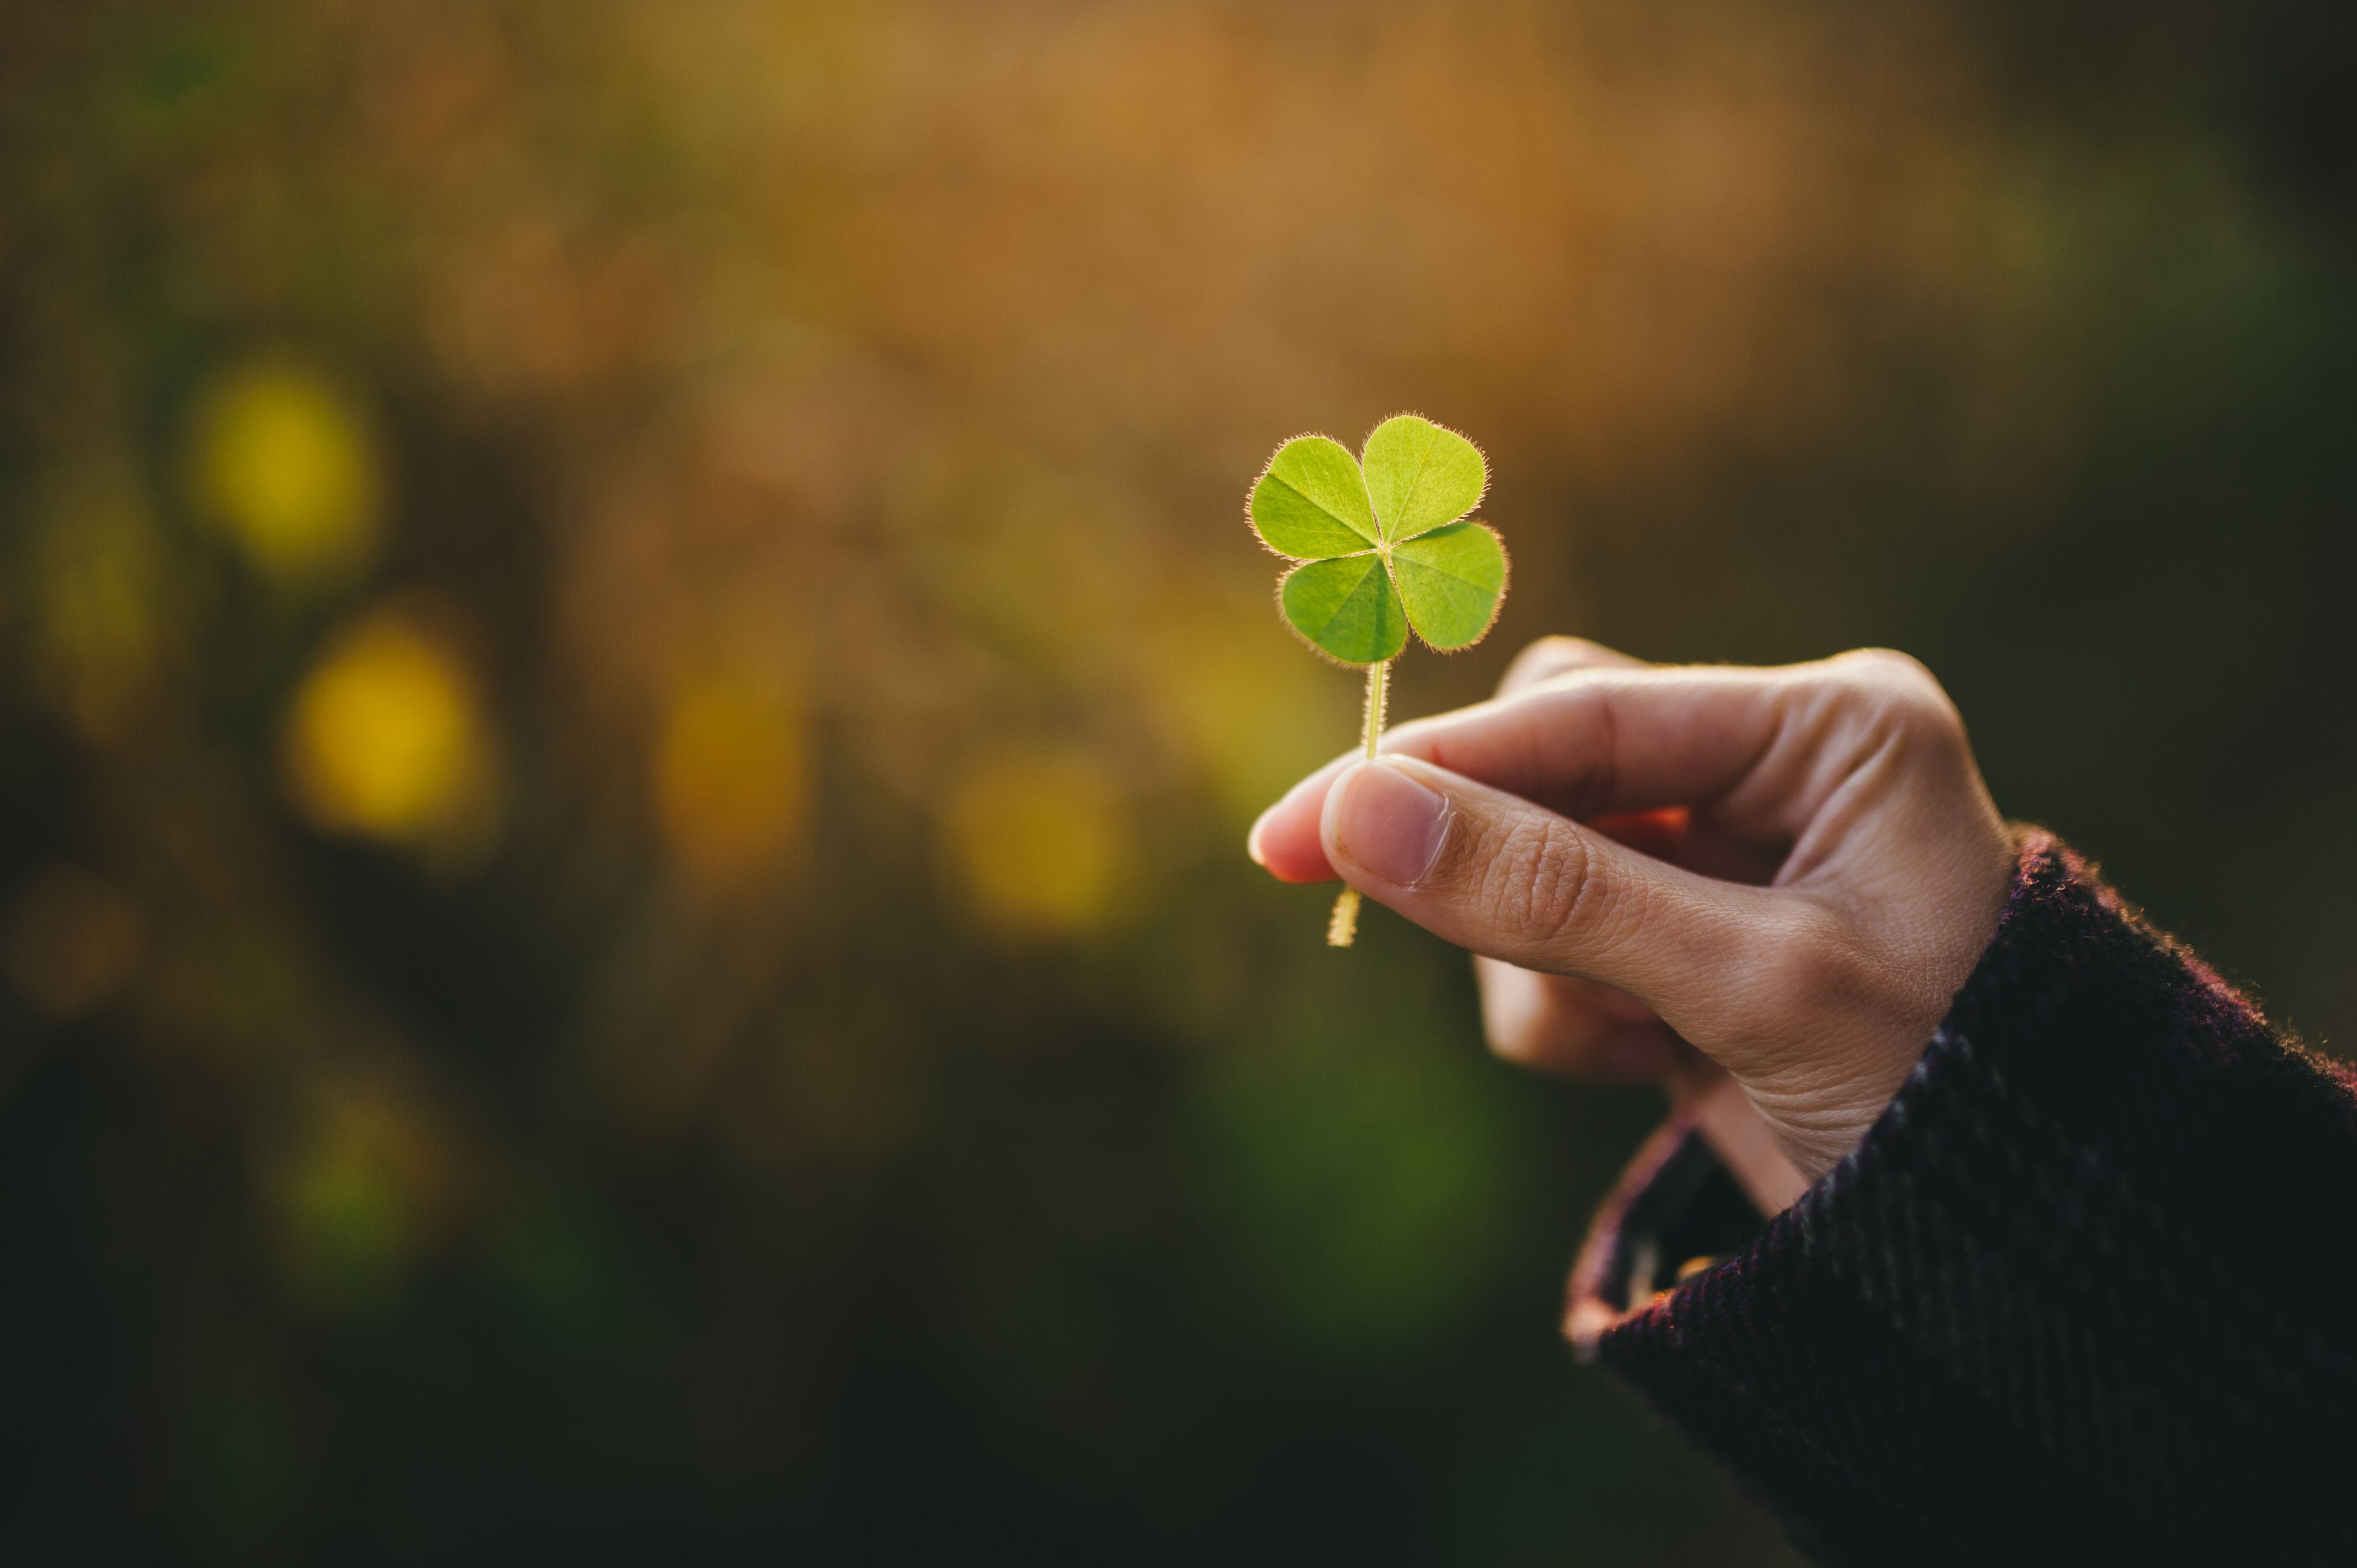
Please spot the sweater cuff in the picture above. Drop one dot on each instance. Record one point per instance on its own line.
(2056, 1261)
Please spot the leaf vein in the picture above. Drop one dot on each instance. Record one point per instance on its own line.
(1287, 484)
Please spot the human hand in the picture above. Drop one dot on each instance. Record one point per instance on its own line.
(1789, 871)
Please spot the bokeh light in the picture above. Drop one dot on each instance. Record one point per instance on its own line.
(1040, 843)
(385, 736)
(101, 606)
(730, 776)
(363, 1181)
(285, 463)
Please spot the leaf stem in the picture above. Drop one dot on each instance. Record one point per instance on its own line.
(1343, 928)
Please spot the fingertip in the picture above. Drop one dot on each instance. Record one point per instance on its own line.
(1303, 864)
(1284, 842)
(1387, 820)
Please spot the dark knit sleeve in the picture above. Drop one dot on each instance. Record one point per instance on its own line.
(2086, 1293)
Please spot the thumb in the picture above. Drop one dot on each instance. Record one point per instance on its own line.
(1491, 872)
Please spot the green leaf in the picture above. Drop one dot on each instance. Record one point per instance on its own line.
(1420, 476)
(1347, 608)
(1311, 503)
(1451, 581)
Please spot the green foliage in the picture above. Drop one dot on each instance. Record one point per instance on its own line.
(1421, 476)
(1312, 502)
(1383, 540)
(1451, 581)
(1347, 607)
(1363, 1165)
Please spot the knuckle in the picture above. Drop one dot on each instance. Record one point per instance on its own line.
(1525, 1020)
(1562, 646)
(1818, 966)
(1515, 1037)
(1882, 661)
(1509, 1008)
(1546, 657)
(1543, 885)
(1897, 688)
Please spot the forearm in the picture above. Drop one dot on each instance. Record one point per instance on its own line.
(2083, 1292)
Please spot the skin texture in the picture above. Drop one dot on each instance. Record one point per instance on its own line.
(1676, 873)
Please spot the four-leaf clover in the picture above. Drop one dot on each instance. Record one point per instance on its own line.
(1383, 539)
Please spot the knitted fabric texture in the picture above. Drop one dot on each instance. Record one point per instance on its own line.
(2087, 1290)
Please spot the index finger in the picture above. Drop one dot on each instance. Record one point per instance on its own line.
(1589, 743)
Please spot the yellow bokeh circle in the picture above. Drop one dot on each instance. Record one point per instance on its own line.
(728, 774)
(286, 464)
(1039, 843)
(386, 736)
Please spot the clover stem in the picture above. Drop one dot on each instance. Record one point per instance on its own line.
(1379, 686)
(1343, 928)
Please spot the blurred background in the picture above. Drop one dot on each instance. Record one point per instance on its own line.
(631, 678)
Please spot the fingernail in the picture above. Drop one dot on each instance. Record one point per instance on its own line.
(1389, 824)
(1252, 839)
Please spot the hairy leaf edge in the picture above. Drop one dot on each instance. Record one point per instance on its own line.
(1304, 560)
(1497, 606)
(1304, 639)
(1460, 517)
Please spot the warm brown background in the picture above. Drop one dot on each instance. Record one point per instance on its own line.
(633, 677)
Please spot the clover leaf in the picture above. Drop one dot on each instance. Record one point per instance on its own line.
(1382, 541)
(1384, 548)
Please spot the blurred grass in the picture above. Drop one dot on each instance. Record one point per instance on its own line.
(633, 677)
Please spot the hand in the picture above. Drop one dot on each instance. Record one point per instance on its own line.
(1789, 871)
